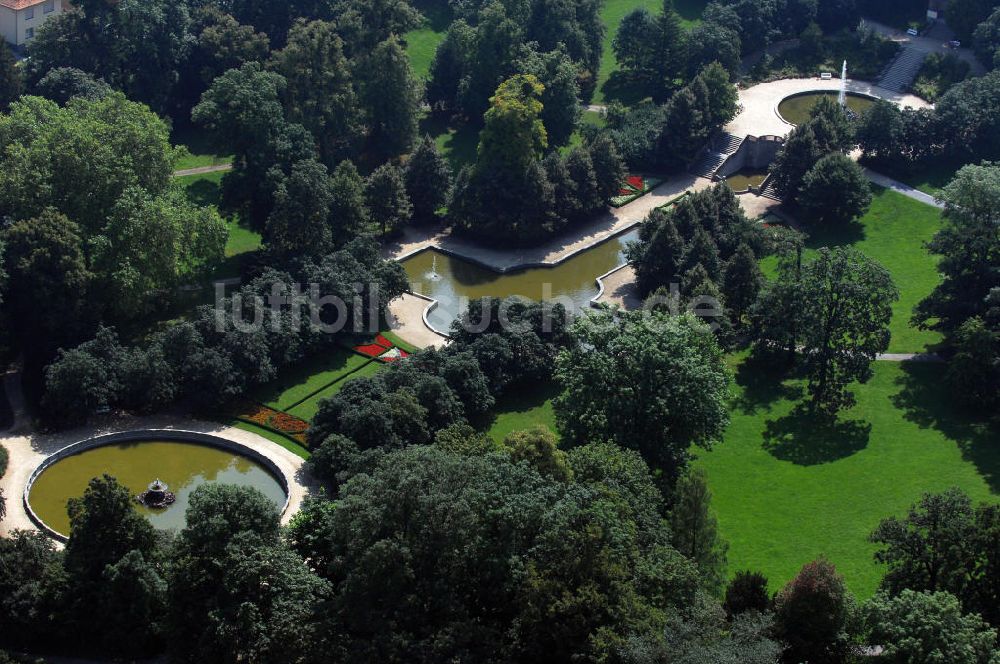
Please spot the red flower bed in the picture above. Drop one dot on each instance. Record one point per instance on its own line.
(371, 350)
(636, 182)
(383, 342)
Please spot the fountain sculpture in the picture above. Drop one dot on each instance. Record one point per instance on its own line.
(156, 495)
(842, 97)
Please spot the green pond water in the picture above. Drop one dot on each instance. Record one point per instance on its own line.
(453, 282)
(183, 466)
(744, 179)
(796, 109)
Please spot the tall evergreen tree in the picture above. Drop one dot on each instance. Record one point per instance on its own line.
(391, 97)
(385, 195)
(348, 210)
(428, 180)
(319, 92)
(299, 224)
(695, 530)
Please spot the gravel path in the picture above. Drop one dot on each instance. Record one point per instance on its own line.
(202, 169)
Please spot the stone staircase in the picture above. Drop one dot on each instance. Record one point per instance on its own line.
(715, 154)
(769, 191)
(903, 69)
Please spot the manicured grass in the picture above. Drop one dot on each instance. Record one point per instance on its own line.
(277, 438)
(893, 232)
(308, 408)
(422, 43)
(786, 492)
(395, 339)
(308, 376)
(457, 144)
(522, 409)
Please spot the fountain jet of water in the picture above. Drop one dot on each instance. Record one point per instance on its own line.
(842, 97)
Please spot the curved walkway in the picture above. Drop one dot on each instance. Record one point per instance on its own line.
(27, 451)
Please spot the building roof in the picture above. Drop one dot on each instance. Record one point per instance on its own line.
(20, 4)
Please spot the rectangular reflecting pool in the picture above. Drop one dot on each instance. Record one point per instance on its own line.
(454, 281)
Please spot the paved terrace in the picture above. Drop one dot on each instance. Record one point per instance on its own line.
(759, 104)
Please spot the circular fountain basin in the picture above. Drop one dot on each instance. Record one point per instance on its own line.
(796, 108)
(184, 464)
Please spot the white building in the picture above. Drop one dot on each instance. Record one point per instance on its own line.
(20, 18)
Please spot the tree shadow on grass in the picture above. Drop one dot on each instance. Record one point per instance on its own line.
(926, 399)
(624, 88)
(204, 192)
(762, 378)
(833, 235)
(804, 439)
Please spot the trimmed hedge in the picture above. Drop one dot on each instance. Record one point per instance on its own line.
(3, 460)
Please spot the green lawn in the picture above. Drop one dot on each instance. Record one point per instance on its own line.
(931, 177)
(422, 43)
(200, 151)
(786, 492)
(893, 232)
(309, 376)
(523, 409)
(308, 408)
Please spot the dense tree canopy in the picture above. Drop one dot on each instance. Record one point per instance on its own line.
(842, 304)
(655, 383)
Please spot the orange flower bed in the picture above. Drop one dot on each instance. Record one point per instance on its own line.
(270, 418)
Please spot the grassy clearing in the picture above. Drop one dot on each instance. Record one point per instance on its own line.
(522, 409)
(308, 408)
(308, 376)
(200, 151)
(206, 189)
(893, 232)
(786, 492)
(929, 177)
(422, 43)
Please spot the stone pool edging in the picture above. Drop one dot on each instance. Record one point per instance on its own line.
(528, 265)
(433, 304)
(139, 435)
(594, 301)
(803, 93)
